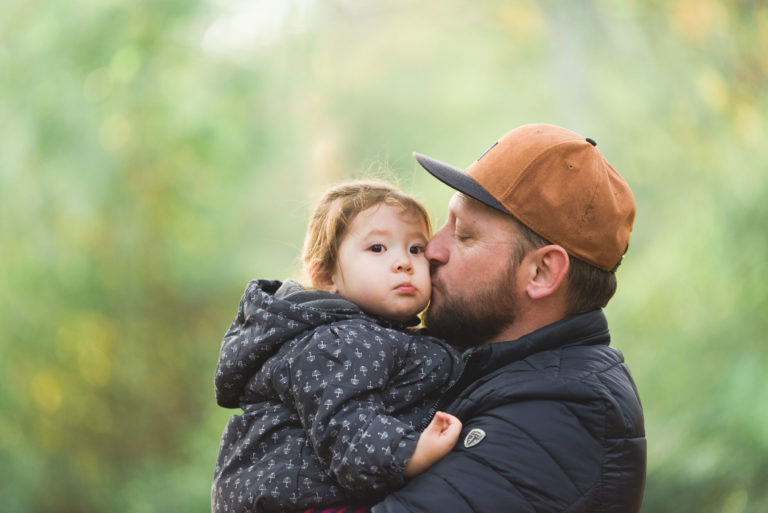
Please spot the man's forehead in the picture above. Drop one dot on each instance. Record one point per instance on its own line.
(460, 201)
(462, 204)
(469, 212)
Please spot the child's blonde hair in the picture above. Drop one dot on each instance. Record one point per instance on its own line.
(334, 213)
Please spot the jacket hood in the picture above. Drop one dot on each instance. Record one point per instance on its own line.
(270, 313)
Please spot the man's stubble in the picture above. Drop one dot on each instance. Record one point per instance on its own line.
(471, 318)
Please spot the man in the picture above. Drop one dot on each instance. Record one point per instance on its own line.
(521, 270)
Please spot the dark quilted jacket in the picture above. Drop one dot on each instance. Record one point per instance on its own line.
(331, 400)
(556, 424)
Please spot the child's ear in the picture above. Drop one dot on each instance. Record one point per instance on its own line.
(322, 280)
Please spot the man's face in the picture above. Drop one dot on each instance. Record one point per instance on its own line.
(474, 284)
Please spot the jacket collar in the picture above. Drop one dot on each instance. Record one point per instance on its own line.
(294, 293)
(590, 328)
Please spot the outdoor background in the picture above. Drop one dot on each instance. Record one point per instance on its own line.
(156, 155)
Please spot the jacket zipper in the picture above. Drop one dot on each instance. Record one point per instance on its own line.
(436, 406)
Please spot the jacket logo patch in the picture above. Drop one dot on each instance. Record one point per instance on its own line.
(474, 437)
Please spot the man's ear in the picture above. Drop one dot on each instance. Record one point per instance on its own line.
(549, 266)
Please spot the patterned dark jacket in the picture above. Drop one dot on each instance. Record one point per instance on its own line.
(331, 397)
(552, 424)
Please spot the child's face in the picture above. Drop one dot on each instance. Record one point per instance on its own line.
(381, 265)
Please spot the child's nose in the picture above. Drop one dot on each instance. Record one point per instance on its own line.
(403, 264)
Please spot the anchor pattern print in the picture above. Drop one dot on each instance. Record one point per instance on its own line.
(331, 398)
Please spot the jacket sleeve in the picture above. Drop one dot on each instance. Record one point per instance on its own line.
(535, 455)
(338, 379)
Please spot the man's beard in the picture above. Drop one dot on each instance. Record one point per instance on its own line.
(474, 317)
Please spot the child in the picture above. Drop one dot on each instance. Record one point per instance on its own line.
(332, 384)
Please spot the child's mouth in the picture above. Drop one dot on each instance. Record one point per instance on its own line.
(406, 288)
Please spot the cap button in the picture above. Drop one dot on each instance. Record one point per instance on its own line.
(591, 141)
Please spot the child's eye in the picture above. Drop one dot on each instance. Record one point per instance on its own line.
(417, 250)
(377, 248)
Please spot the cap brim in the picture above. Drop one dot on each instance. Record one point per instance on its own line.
(457, 179)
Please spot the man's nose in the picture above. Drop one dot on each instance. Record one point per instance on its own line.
(435, 251)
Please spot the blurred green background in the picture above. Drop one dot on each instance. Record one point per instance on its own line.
(156, 155)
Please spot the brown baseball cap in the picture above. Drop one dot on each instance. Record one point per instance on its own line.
(557, 183)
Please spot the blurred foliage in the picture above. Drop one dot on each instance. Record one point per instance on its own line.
(154, 156)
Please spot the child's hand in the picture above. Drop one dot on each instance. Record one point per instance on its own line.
(435, 441)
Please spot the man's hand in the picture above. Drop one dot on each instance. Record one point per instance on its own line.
(435, 441)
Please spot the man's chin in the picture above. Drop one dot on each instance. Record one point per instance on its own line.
(469, 322)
